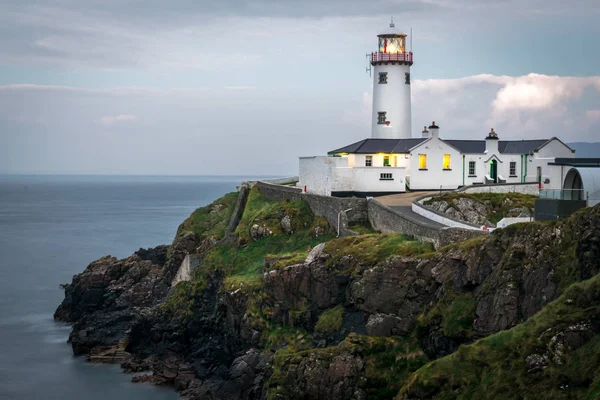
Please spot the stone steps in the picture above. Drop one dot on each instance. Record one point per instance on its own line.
(119, 355)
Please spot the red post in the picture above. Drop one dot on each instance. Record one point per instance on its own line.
(304, 188)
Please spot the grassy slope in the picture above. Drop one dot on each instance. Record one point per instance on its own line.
(496, 203)
(204, 222)
(495, 367)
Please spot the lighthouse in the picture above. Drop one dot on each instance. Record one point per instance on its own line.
(391, 87)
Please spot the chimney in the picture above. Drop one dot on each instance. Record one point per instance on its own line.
(434, 129)
(425, 132)
(491, 143)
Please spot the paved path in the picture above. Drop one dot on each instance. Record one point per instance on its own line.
(401, 199)
(403, 204)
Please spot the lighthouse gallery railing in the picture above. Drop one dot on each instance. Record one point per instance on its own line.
(378, 57)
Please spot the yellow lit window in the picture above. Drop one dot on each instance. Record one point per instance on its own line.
(446, 161)
(422, 161)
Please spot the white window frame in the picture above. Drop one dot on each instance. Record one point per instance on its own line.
(474, 165)
(386, 176)
(381, 117)
(368, 161)
(512, 169)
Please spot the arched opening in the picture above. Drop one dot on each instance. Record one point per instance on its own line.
(494, 170)
(573, 186)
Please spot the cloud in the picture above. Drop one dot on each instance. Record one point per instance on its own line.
(518, 107)
(114, 119)
(593, 116)
(210, 131)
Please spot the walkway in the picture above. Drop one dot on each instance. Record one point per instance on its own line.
(402, 203)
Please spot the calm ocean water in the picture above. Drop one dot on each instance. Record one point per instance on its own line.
(50, 229)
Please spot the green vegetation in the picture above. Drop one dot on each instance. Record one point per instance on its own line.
(244, 265)
(363, 228)
(331, 320)
(181, 302)
(372, 249)
(211, 220)
(268, 213)
(388, 362)
(456, 312)
(498, 205)
(495, 367)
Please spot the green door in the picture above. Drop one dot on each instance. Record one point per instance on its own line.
(494, 170)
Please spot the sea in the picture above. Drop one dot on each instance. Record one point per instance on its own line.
(52, 227)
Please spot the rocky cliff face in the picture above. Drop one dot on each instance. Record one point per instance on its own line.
(352, 319)
(483, 208)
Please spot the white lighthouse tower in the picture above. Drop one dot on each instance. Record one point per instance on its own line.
(391, 87)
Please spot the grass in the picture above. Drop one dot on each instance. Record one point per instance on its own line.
(497, 204)
(388, 361)
(371, 249)
(495, 367)
(243, 265)
(331, 321)
(269, 213)
(457, 313)
(181, 302)
(204, 222)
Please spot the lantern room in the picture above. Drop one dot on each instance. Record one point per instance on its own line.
(392, 43)
(392, 48)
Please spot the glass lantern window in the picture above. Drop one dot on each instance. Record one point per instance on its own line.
(392, 45)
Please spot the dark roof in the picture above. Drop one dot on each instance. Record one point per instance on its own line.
(520, 146)
(370, 146)
(468, 146)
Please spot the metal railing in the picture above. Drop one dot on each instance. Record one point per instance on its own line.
(563, 194)
(384, 57)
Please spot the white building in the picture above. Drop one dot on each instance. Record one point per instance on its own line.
(392, 161)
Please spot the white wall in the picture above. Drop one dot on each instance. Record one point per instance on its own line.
(323, 175)
(435, 175)
(394, 98)
(315, 173)
(368, 179)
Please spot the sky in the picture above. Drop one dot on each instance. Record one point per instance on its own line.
(195, 87)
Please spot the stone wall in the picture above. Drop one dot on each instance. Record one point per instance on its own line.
(387, 220)
(524, 188)
(324, 206)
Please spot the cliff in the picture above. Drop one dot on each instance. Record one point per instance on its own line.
(277, 308)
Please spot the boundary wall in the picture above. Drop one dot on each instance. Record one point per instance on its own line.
(387, 220)
(324, 206)
(382, 218)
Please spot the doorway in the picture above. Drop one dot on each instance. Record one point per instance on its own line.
(494, 171)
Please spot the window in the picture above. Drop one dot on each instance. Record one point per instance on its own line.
(446, 161)
(513, 168)
(407, 78)
(422, 161)
(381, 117)
(386, 177)
(383, 77)
(368, 161)
(472, 168)
(386, 161)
